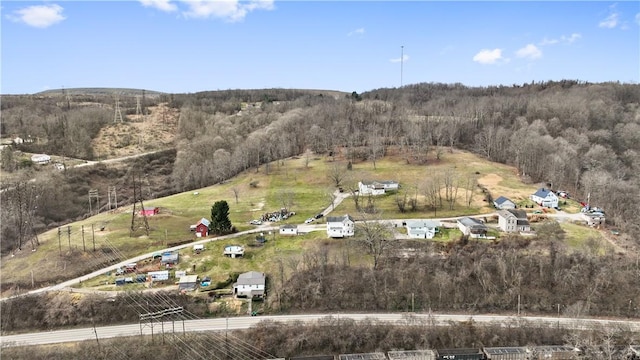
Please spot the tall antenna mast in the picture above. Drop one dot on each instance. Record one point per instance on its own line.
(117, 117)
(401, 62)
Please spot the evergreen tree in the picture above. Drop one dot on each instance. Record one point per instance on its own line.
(220, 223)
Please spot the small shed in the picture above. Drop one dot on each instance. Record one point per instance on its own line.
(289, 229)
(169, 258)
(149, 211)
(197, 248)
(162, 275)
(202, 228)
(188, 283)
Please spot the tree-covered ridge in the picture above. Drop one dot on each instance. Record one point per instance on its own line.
(580, 137)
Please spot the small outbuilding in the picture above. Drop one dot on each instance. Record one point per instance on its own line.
(188, 283)
(197, 248)
(288, 229)
(202, 228)
(233, 251)
(169, 258)
(41, 159)
(150, 211)
(502, 203)
(472, 227)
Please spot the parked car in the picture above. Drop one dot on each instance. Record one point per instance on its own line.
(255, 222)
(319, 216)
(309, 220)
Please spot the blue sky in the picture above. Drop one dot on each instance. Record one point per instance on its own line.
(196, 45)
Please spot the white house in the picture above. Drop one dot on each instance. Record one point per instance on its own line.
(513, 221)
(340, 226)
(289, 229)
(233, 251)
(422, 229)
(250, 284)
(545, 197)
(503, 203)
(40, 159)
(471, 227)
(376, 187)
(18, 140)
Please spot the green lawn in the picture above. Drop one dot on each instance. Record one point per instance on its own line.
(302, 187)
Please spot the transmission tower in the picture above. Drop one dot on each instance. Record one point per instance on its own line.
(138, 108)
(136, 222)
(67, 97)
(117, 116)
(93, 194)
(111, 194)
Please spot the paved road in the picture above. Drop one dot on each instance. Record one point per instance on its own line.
(235, 323)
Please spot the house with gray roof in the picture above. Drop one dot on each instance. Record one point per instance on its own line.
(472, 227)
(503, 203)
(340, 226)
(250, 284)
(422, 229)
(545, 197)
(366, 187)
(513, 221)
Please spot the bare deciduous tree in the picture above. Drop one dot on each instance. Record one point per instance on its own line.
(375, 236)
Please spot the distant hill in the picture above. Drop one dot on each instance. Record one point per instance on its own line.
(99, 91)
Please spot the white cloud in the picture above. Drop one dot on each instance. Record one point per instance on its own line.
(562, 39)
(638, 18)
(610, 21)
(486, 56)
(163, 5)
(232, 10)
(404, 58)
(359, 31)
(40, 16)
(530, 52)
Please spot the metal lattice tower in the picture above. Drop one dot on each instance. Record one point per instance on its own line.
(111, 194)
(135, 218)
(138, 107)
(93, 194)
(117, 116)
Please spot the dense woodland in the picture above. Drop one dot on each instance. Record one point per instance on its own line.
(580, 137)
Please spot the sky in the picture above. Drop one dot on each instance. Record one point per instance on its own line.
(187, 46)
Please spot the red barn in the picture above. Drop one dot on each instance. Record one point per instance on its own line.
(149, 211)
(202, 228)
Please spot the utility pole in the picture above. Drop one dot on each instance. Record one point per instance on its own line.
(518, 304)
(69, 235)
(93, 236)
(84, 248)
(59, 243)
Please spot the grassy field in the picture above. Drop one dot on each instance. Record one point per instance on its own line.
(301, 184)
